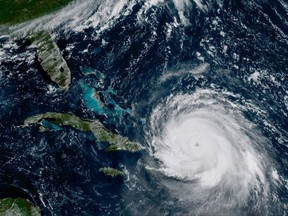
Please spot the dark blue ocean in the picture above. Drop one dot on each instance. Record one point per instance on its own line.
(152, 62)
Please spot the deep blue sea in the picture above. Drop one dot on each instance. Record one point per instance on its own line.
(202, 85)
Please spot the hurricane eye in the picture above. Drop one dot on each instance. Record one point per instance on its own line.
(209, 148)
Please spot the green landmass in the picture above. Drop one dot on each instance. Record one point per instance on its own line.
(111, 172)
(51, 59)
(116, 141)
(19, 207)
(17, 11)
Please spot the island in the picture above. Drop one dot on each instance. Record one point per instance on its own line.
(101, 134)
(108, 171)
(18, 206)
(13, 11)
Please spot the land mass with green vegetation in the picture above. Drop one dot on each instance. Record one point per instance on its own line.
(50, 59)
(17, 11)
(116, 141)
(18, 206)
(108, 171)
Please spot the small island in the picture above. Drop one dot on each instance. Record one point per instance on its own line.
(108, 171)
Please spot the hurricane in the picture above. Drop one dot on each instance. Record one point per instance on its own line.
(203, 141)
(205, 157)
(147, 107)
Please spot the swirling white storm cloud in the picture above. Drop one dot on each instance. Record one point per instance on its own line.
(203, 141)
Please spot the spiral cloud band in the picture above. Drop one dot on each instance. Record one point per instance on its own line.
(204, 141)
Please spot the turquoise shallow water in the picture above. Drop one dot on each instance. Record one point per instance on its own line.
(50, 125)
(155, 67)
(89, 99)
